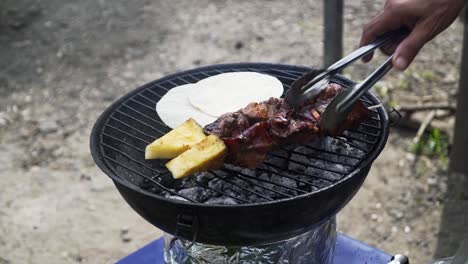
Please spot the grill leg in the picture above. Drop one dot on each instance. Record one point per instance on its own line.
(458, 159)
(333, 34)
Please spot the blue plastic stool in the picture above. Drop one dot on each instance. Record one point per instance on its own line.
(347, 251)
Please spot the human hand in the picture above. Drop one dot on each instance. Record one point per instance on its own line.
(425, 19)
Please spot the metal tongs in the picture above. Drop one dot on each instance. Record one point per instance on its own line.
(311, 84)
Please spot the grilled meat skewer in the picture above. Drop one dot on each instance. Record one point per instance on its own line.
(253, 131)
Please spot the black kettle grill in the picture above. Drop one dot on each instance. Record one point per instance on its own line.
(296, 188)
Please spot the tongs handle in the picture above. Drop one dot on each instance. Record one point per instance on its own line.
(343, 103)
(364, 50)
(360, 89)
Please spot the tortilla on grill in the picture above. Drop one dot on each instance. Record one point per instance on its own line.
(174, 107)
(229, 92)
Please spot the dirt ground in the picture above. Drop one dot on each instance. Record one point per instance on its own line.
(63, 62)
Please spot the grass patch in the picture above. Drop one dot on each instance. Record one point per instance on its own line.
(435, 144)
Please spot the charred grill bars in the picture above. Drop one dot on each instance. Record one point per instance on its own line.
(297, 187)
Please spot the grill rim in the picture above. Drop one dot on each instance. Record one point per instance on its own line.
(97, 151)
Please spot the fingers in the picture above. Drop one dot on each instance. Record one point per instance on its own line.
(387, 20)
(390, 48)
(410, 47)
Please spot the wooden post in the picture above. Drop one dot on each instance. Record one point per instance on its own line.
(333, 31)
(459, 156)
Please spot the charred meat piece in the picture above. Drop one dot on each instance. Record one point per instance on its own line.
(253, 131)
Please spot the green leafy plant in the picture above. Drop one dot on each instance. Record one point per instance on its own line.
(428, 75)
(435, 144)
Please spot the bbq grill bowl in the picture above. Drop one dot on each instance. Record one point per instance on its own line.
(121, 132)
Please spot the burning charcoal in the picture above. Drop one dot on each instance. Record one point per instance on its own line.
(344, 148)
(204, 177)
(240, 182)
(266, 177)
(303, 186)
(221, 200)
(313, 172)
(288, 182)
(346, 160)
(229, 201)
(196, 193)
(271, 170)
(332, 176)
(256, 199)
(284, 181)
(295, 163)
(306, 183)
(176, 198)
(338, 167)
(231, 192)
(264, 191)
(328, 165)
(248, 172)
(299, 158)
(185, 183)
(279, 162)
(166, 179)
(303, 150)
(216, 184)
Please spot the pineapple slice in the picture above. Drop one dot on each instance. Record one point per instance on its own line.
(207, 155)
(176, 141)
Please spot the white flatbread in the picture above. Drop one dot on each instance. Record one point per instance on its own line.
(229, 92)
(174, 107)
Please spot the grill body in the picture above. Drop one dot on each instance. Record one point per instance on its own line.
(231, 225)
(242, 225)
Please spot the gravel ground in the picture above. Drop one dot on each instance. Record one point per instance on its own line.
(63, 62)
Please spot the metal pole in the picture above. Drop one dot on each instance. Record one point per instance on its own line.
(459, 155)
(333, 31)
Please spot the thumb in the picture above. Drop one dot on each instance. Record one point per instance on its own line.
(410, 47)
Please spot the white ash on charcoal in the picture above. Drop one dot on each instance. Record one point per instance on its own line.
(308, 162)
(266, 177)
(204, 178)
(338, 146)
(286, 172)
(176, 197)
(295, 166)
(363, 134)
(283, 181)
(216, 184)
(221, 200)
(323, 174)
(278, 159)
(306, 182)
(196, 193)
(364, 146)
(319, 154)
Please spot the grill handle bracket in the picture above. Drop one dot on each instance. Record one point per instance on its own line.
(394, 116)
(399, 259)
(187, 226)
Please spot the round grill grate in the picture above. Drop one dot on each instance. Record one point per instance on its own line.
(123, 131)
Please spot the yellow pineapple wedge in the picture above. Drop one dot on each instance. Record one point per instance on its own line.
(207, 155)
(176, 141)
